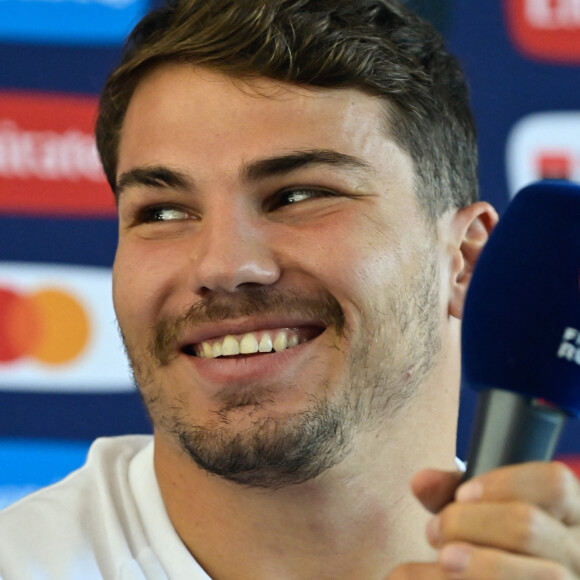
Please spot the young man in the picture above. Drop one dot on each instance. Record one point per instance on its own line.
(296, 182)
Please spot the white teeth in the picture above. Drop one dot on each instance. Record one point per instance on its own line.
(207, 350)
(230, 346)
(248, 344)
(265, 343)
(216, 349)
(281, 342)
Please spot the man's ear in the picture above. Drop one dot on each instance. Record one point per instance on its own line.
(471, 227)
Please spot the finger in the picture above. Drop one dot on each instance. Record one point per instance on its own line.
(466, 562)
(510, 526)
(551, 486)
(434, 488)
(418, 571)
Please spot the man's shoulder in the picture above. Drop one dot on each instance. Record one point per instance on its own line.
(108, 458)
(107, 464)
(83, 509)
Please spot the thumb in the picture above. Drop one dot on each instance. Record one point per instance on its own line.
(435, 488)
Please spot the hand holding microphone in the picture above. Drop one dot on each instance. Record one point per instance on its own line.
(511, 516)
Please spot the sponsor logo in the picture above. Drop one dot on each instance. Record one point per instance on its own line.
(554, 164)
(48, 158)
(547, 30)
(58, 330)
(81, 22)
(49, 325)
(543, 146)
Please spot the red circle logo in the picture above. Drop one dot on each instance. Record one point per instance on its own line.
(49, 325)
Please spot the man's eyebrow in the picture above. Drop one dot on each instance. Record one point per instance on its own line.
(282, 164)
(154, 176)
(163, 176)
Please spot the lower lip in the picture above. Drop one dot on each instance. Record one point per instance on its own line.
(251, 368)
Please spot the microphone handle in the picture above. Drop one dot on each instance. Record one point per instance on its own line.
(511, 428)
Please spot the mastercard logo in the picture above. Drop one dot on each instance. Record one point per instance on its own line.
(49, 325)
(58, 330)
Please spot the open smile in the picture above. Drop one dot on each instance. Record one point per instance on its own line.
(254, 342)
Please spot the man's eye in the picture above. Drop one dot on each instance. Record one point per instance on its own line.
(162, 214)
(293, 196)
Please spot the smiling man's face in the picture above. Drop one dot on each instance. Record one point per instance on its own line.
(276, 284)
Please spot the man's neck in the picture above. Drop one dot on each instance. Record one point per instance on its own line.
(357, 520)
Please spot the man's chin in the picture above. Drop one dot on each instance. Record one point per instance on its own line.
(252, 447)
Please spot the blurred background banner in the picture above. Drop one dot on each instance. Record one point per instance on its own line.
(63, 375)
(69, 22)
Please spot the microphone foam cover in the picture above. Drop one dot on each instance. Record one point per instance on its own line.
(521, 322)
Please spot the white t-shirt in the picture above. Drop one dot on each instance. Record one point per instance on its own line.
(105, 521)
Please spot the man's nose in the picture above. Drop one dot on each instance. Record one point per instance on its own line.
(231, 249)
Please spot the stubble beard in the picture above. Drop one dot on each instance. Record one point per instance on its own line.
(387, 363)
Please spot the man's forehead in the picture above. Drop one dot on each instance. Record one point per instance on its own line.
(283, 124)
(165, 77)
(173, 90)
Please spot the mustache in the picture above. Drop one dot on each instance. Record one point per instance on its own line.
(250, 302)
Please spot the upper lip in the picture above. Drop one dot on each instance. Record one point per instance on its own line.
(212, 330)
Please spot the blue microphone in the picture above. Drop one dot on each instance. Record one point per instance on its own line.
(521, 329)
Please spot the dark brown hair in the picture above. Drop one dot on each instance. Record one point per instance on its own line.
(377, 46)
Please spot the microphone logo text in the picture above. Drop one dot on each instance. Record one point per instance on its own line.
(570, 346)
